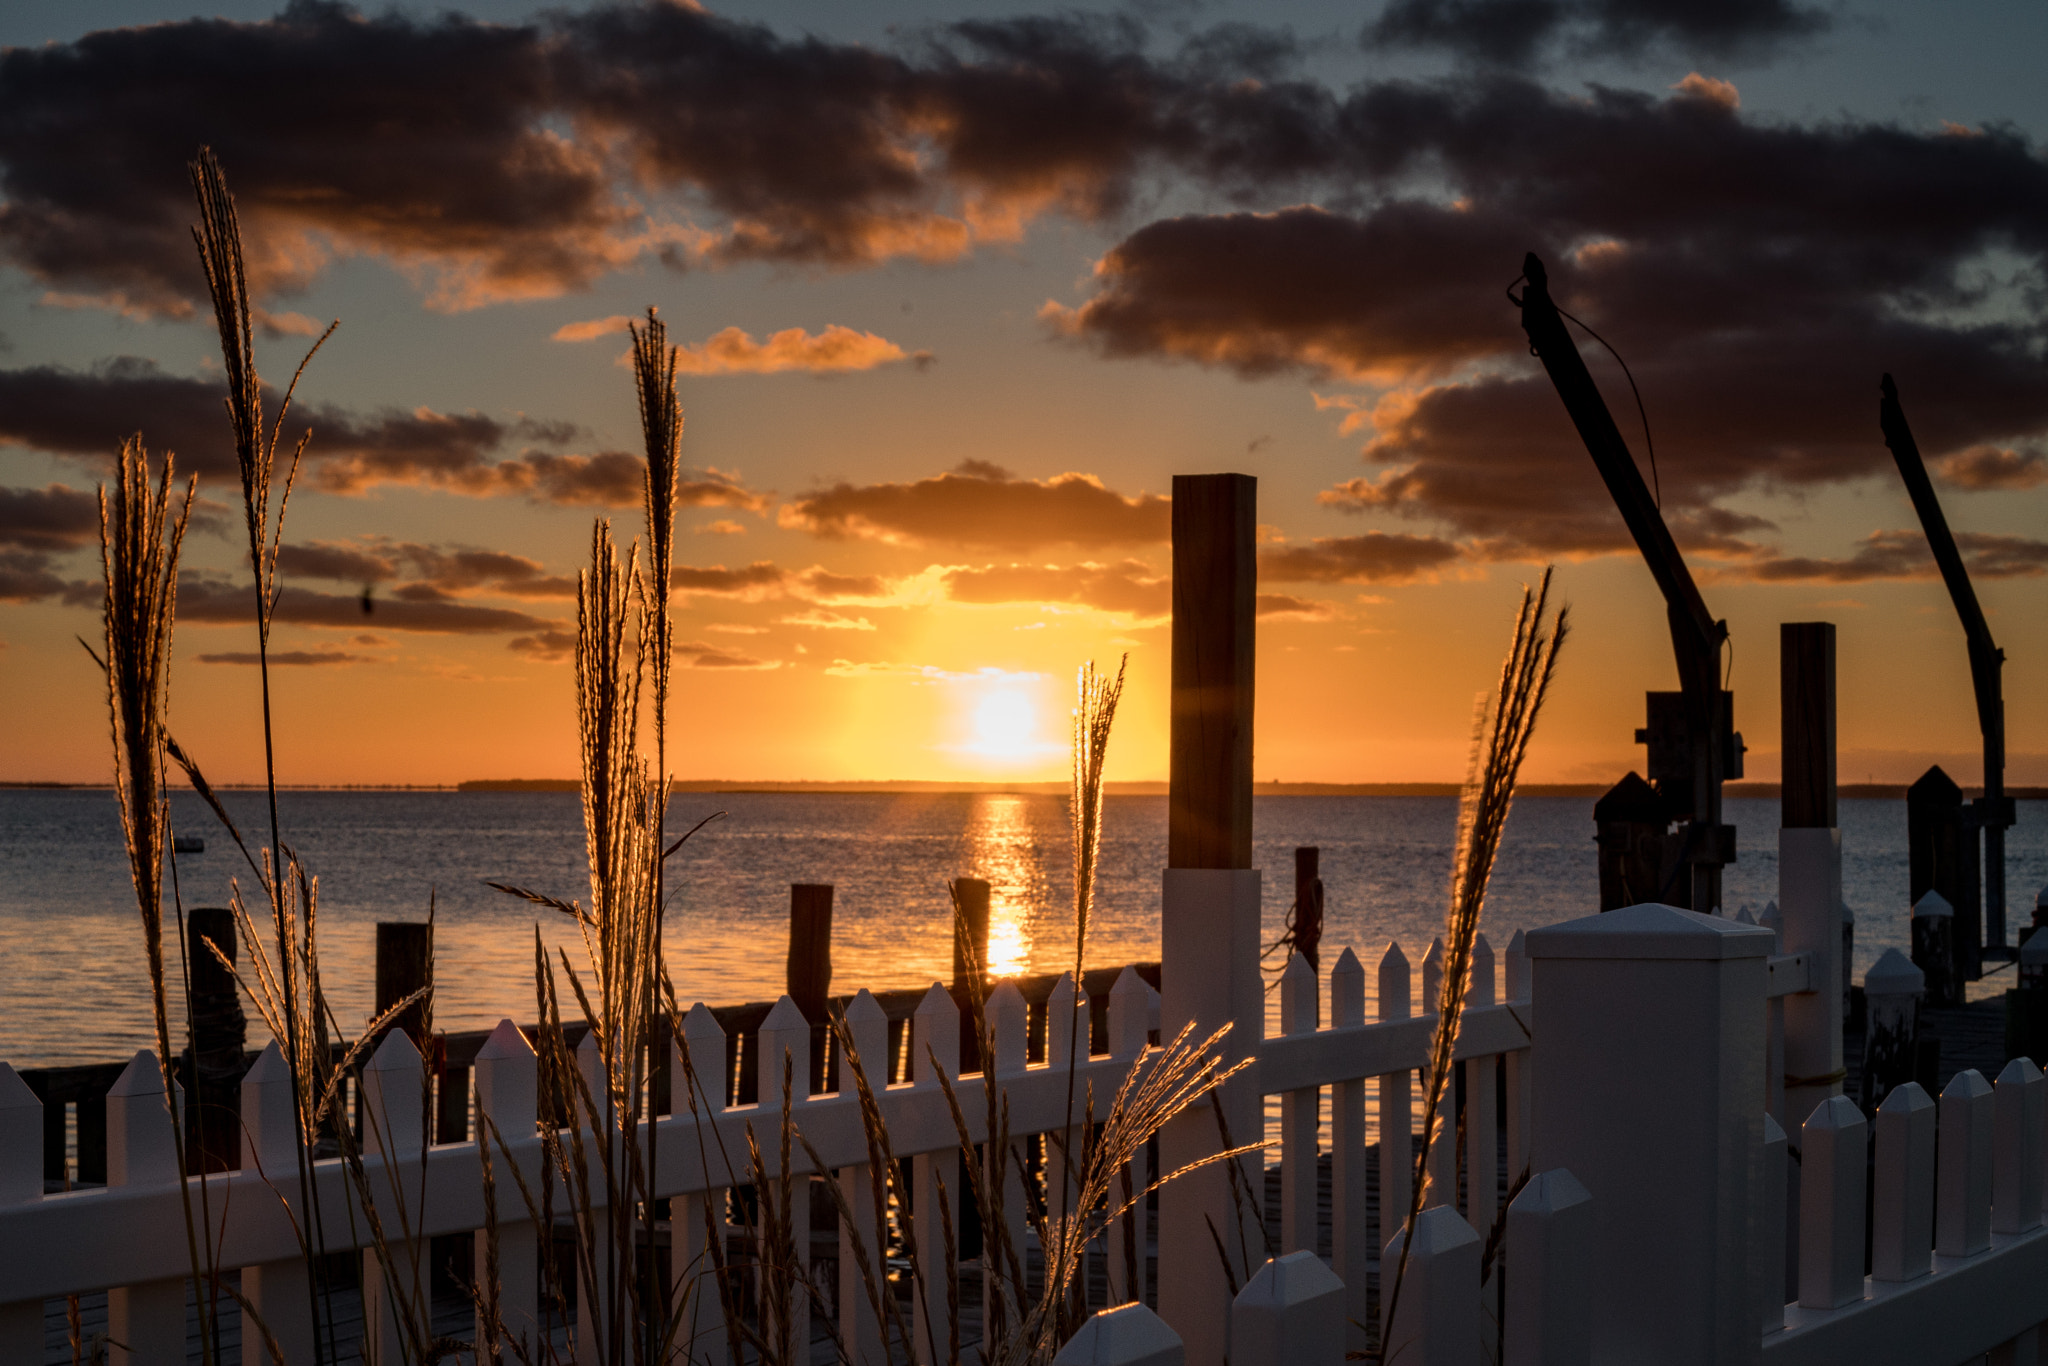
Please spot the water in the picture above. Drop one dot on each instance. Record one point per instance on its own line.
(73, 987)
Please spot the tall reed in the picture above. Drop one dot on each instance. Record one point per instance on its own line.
(1501, 730)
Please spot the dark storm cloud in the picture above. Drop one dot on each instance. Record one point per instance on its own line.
(1519, 32)
(1900, 555)
(431, 573)
(983, 506)
(301, 657)
(27, 576)
(1757, 276)
(207, 598)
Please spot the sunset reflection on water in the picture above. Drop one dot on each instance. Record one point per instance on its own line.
(1006, 854)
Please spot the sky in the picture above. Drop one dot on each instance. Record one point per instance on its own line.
(959, 289)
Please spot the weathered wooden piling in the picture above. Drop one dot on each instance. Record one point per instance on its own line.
(808, 975)
(970, 932)
(1638, 857)
(219, 1031)
(405, 963)
(1810, 863)
(1307, 928)
(1942, 857)
(1934, 923)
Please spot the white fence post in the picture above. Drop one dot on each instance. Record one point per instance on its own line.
(1902, 1213)
(1209, 976)
(21, 1181)
(1290, 1314)
(2019, 1105)
(934, 1033)
(859, 1329)
(1008, 1025)
(278, 1291)
(1810, 890)
(787, 1034)
(1129, 1012)
(1435, 1319)
(1661, 1125)
(594, 1279)
(1550, 1236)
(1832, 1170)
(1962, 1211)
(148, 1319)
(1065, 1038)
(1300, 1114)
(1482, 1142)
(395, 1129)
(1770, 1223)
(1126, 1335)
(1350, 1239)
(506, 1076)
(1397, 1103)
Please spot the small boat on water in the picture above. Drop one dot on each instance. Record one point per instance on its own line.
(187, 844)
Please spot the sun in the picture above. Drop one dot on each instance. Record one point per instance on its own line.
(1005, 725)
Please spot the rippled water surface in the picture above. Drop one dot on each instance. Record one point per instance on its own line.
(73, 988)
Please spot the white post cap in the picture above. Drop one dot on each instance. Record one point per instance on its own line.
(1932, 903)
(1893, 974)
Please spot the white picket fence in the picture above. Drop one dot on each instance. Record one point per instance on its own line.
(1636, 1051)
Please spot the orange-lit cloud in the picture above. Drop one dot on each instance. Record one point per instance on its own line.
(592, 329)
(1127, 587)
(1897, 555)
(835, 350)
(1994, 467)
(1282, 607)
(980, 505)
(1375, 557)
(289, 657)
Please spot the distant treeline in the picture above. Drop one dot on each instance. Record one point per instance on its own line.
(1891, 791)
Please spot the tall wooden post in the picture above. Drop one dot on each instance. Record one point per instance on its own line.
(1209, 923)
(1942, 857)
(405, 963)
(970, 933)
(213, 1129)
(1308, 905)
(1810, 863)
(808, 975)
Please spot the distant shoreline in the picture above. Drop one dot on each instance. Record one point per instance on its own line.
(907, 787)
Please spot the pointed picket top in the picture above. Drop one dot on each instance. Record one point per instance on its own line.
(1835, 1114)
(2020, 1071)
(14, 1092)
(1397, 990)
(1893, 974)
(141, 1077)
(1435, 957)
(1557, 1190)
(1128, 1335)
(1061, 1041)
(1347, 990)
(1439, 1229)
(508, 1042)
(1743, 917)
(937, 1002)
(1932, 903)
(1129, 985)
(1774, 1132)
(1298, 1005)
(785, 1015)
(1127, 1023)
(1905, 1099)
(396, 1054)
(1479, 990)
(1008, 1015)
(1968, 1084)
(1518, 968)
(868, 1024)
(270, 1068)
(700, 1024)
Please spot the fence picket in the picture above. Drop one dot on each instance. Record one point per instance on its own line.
(1902, 1213)
(594, 1275)
(506, 1076)
(21, 1181)
(2019, 1107)
(1397, 1106)
(147, 1319)
(1436, 1321)
(1550, 1233)
(1008, 1023)
(395, 1129)
(1442, 1188)
(1962, 1212)
(859, 1329)
(1770, 1240)
(1482, 1137)
(1300, 1113)
(1127, 1335)
(786, 1033)
(1291, 1313)
(1515, 1066)
(1350, 1239)
(935, 1034)
(1128, 1024)
(1832, 1165)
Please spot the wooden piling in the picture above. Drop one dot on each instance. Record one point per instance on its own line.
(1308, 905)
(219, 1031)
(970, 932)
(1806, 699)
(405, 963)
(1942, 857)
(1215, 583)
(808, 975)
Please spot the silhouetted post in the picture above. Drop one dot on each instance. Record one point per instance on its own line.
(1209, 925)
(405, 963)
(1810, 862)
(212, 1115)
(1942, 857)
(1934, 953)
(970, 960)
(1308, 904)
(1638, 856)
(808, 977)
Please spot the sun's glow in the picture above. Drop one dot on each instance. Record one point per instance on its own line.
(1005, 725)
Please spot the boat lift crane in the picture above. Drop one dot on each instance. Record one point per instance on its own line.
(1993, 811)
(1693, 747)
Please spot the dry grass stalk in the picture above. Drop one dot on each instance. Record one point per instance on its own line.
(1501, 731)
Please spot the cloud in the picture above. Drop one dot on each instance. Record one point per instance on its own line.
(1375, 557)
(723, 526)
(289, 657)
(823, 620)
(594, 328)
(87, 413)
(431, 573)
(48, 519)
(1281, 607)
(754, 581)
(1755, 314)
(210, 598)
(985, 507)
(1898, 555)
(552, 646)
(1524, 32)
(27, 576)
(696, 654)
(925, 673)
(824, 586)
(1127, 587)
(1994, 467)
(836, 350)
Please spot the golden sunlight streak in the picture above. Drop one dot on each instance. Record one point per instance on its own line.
(1005, 854)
